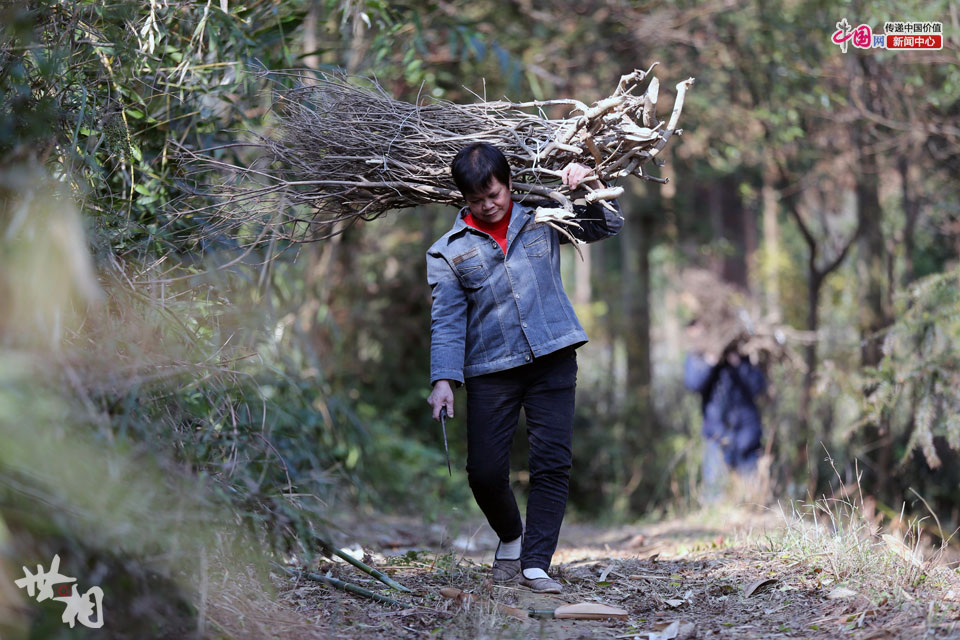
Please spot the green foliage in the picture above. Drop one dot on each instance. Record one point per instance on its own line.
(916, 382)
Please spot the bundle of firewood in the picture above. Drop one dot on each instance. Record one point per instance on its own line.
(727, 318)
(342, 149)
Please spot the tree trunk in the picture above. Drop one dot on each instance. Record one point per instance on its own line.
(739, 230)
(635, 241)
(714, 206)
(911, 211)
(871, 263)
(872, 259)
(748, 222)
(771, 243)
(814, 285)
(636, 325)
(311, 24)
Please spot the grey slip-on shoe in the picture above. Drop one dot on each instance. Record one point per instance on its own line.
(541, 585)
(506, 571)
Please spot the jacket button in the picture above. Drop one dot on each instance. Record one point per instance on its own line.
(524, 325)
(517, 295)
(527, 358)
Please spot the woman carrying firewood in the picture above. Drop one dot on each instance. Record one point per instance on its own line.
(729, 385)
(502, 325)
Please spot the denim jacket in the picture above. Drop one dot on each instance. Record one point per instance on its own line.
(493, 311)
(727, 395)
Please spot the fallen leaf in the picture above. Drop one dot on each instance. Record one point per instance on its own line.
(913, 556)
(759, 586)
(676, 630)
(687, 631)
(860, 620)
(636, 541)
(675, 602)
(606, 572)
(861, 615)
(670, 632)
(841, 592)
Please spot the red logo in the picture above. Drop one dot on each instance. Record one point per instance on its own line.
(862, 37)
(923, 41)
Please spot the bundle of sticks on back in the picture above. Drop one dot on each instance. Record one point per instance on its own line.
(342, 149)
(727, 319)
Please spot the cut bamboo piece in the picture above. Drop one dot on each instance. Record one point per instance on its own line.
(344, 586)
(581, 611)
(382, 577)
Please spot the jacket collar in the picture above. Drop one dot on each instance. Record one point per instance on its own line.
(519, 217)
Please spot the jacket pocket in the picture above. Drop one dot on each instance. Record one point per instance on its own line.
(470, 268)
(535, 242)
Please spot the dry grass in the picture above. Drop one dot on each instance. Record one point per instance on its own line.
(894, 574)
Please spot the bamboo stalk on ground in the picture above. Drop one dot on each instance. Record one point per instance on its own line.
(379, 575)
(343, 586)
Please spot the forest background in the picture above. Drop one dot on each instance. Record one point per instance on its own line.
(165, 379)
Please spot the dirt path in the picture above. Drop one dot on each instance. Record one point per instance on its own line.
(722, 574)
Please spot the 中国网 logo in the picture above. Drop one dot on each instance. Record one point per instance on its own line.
(896, 36)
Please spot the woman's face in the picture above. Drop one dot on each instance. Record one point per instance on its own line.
(489, 205)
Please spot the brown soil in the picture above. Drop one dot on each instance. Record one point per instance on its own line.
(710, 573)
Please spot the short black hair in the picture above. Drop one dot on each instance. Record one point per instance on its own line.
(476, 165)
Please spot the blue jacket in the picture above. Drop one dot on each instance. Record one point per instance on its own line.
(730, 415)
(493, 311)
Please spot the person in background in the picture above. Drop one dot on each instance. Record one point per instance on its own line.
(728, 385)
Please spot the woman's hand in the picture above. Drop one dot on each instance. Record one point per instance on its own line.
(441, 396)
(574, 173)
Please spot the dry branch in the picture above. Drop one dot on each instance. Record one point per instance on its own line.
(342, 149)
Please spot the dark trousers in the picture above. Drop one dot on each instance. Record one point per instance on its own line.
(545, 389)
